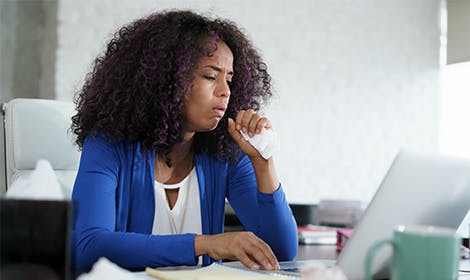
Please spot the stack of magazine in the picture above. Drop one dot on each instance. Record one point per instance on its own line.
(317, 235)
(323, 235)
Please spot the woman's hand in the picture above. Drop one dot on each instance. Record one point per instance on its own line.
(251, 123)
(244, 246)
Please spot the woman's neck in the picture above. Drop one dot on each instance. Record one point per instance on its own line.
(181, 157)
(182, 151)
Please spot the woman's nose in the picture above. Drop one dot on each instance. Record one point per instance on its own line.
(223, 89)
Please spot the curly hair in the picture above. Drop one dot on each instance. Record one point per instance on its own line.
(136, 89)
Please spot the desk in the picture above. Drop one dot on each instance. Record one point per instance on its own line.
(307, 252)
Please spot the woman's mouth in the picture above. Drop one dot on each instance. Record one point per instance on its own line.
(219, 111)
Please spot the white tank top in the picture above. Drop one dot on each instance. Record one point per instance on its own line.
(185, 217)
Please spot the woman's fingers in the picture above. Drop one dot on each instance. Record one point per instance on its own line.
(246, 247)
(252, 125)
(248, 262)
(234, 132)
(262, 253)
(239, 118)
(269, 257)
(260, 258)
(238, 138)
(250, 122)
(245, 122)
(262, 123)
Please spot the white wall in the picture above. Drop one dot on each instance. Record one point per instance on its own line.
(27, 49)
(355, 80)
(458, 31)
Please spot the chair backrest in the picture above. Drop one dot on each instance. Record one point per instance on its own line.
(38, 129)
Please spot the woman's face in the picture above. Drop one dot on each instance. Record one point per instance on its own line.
(205, 104)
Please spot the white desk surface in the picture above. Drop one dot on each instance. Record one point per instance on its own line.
(464, 265)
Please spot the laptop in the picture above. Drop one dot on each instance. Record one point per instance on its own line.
(34, 239)
(417, 189)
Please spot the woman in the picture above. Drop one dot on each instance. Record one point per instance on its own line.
(158, 122)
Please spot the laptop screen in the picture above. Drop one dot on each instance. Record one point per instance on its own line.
(34, 239)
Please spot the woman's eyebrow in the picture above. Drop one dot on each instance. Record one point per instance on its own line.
(218, 69)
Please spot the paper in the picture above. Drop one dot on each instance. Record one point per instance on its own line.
(212, 272)
(104, 269)
(42, 183)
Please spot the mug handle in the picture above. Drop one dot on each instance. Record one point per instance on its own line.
(371, 253)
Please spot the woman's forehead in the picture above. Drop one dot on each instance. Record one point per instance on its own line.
(222, 57)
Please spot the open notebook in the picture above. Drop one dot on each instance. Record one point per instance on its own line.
(214, 271)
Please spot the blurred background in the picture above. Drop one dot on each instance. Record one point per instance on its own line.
(355, 81)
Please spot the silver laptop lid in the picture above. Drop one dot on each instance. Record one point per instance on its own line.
(417, 189)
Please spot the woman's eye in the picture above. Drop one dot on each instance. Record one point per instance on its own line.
(211, 78)
(229, 83)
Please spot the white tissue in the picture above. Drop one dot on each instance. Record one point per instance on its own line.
(323, 273)
(40, 184)
(266, 142)
(104, 269)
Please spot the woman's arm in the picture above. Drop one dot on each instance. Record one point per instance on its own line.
(256, 196)
(275, 223)
(267, 215)
(100, 229)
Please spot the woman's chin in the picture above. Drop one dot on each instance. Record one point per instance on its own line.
(206, 127)
(213, 125)
(211, 128)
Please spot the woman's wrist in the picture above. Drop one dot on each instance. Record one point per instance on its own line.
(266, 175)
(200, 245)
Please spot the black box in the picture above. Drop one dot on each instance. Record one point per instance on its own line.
(34, 239)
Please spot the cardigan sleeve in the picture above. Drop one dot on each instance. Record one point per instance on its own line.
(267, 215)
(95, 233)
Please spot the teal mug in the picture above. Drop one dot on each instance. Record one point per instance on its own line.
(420, 253)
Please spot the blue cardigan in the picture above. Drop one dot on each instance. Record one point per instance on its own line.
(114, 199)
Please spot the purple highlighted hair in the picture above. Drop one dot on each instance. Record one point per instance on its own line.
(136, 89)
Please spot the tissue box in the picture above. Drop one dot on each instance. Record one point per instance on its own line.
(34, 239)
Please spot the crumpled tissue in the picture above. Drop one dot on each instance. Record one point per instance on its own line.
(267, 142)
(42, 183)
(323, 273)
(105, 269)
